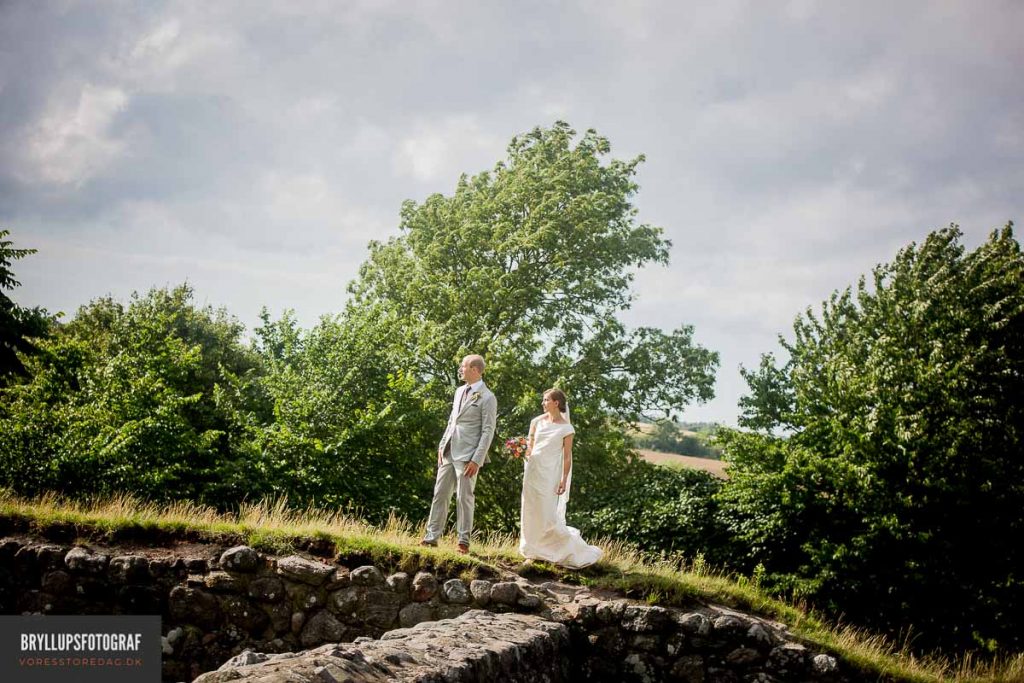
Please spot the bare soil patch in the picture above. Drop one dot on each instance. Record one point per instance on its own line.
(714, 467)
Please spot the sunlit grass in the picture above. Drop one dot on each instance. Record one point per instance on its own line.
(277, 527)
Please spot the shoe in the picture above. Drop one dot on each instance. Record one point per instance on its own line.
(463, 549)
(428, 544)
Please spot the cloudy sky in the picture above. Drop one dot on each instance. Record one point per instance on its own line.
(253, 148)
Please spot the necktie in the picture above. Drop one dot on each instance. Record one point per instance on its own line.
(465, 393)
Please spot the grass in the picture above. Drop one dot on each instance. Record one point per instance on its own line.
(274, 527)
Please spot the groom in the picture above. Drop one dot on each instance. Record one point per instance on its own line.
(462, 451)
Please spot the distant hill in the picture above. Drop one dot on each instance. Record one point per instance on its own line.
(688, 439)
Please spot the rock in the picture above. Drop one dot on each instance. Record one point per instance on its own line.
(415, 613)
(529, 602)
(639, 666)
(675, 644)
(695, 624)
(165, 646)
(129, 569)
(744, 656)
(824, 664)
(50, 556)
(298, 620)
(609, 641)
(57, 583)
(159, 567)
(345, 602)
(194, 606)
(728, 626)
(424, 587)
(322, 627)
(481, 592)
(399, 583)
(689, 668)
(586, 614)
(221, 582)
(643, 619)
(721, 675)
(140, 599)
(299, 568)
(243, 614)
(300, 595)
(341, 578)
(380, 608)
(454, 592)
(195, 564)
(610, 612)
(268, 590)
(83, 561)
(367, 576)
(645, 642)
(451, 611)
(506, 593)
(759, 636)
(280, 616)
(244, 658)
(241, 558)
(788, 657)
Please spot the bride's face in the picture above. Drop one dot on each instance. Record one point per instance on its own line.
(548, 404)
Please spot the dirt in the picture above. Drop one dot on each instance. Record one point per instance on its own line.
(714, 467)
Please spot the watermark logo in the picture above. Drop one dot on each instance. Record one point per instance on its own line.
(83, 649)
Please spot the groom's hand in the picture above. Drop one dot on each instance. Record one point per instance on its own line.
(471, 469)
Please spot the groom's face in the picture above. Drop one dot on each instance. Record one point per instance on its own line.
(468, 373)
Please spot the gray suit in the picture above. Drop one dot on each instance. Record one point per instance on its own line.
(467, 437)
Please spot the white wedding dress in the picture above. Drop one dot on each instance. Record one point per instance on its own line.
(543, 531)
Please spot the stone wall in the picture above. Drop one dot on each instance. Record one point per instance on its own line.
(225, 602)
(215, 606)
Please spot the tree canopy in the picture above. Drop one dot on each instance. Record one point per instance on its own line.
(18, 325)
(884, 477)
(528, 264)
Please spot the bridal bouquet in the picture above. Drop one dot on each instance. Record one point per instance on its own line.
(516, 447)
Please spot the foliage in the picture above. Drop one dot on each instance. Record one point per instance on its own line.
(528, 265)
(18, 326)
(348, 429)
(668, 437)
(660, 510)
(885, 479)
(153, 398)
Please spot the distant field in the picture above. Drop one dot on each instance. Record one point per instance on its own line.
(715, 467)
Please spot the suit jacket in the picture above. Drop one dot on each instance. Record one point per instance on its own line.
(471, 428)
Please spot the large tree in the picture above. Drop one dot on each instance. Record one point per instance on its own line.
(529, 264)
(18, 325)
(884, 478)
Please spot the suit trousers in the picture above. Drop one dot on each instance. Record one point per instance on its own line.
(449, 480)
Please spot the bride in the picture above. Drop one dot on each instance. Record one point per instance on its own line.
(546, 482)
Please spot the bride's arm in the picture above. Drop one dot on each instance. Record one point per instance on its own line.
(566, 463)
(529, 439)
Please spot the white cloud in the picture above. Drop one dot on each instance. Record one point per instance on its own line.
(73, 141)
(443, 149)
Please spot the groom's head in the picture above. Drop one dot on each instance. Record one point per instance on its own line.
(472, 368)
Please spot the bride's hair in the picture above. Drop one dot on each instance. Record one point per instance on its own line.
(559, 397)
